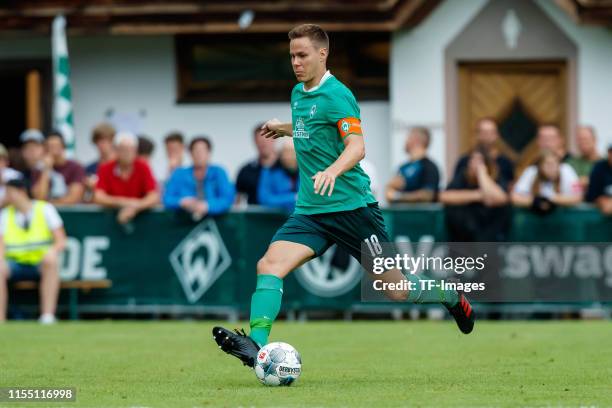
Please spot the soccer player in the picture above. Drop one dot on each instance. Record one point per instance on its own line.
(335, 204)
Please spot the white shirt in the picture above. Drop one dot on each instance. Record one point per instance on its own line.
(52, 217)
(569, 184)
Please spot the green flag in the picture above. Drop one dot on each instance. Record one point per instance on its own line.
(62, 94)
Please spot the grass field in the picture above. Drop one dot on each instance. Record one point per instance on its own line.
(358, 364)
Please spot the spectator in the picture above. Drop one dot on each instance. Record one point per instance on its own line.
(60, 181)
(248, 176)
(202, 188)
(146, 147)
(127, 182)
(476, 201)
(102, 136)
(175, 151)
(32, 238)
(487, 139)
(587, 154)
(417, 180)
(278, 186)
(6, 173)
(547, 184)
(32, 153)
(600, 184)
(550, 138)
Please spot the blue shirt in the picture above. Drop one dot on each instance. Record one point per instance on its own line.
(218, 191)
(277, 188)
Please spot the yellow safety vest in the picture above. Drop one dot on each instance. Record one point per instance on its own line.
(27, 246)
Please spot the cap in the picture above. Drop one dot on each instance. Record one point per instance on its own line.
(18, 182)
(32, 135)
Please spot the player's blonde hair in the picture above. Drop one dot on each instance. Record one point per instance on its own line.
(316, 34)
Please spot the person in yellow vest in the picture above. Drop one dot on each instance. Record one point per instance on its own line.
(32, 237)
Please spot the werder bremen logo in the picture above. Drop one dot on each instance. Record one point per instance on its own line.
(200, 259)
(320, 277)
(299, 131)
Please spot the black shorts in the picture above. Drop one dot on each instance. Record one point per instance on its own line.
(348, 229)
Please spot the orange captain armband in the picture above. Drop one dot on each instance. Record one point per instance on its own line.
(348, 126)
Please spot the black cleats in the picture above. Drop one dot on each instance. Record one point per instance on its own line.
(236, 343)
(463, 314)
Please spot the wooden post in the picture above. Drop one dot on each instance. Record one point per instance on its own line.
(33, 116)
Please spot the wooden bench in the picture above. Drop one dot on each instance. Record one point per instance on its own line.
(73, 287)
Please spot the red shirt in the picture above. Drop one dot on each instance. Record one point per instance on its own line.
(137, 185)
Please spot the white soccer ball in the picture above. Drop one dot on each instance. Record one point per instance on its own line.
(278, 364)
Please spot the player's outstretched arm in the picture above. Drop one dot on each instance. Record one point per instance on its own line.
(354, 152)
(274, 128)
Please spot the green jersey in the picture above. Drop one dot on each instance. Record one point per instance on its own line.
(322, 117)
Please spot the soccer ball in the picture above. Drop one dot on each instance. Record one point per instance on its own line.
(278, 364)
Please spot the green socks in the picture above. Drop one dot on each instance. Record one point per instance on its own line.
(434, 295)
(265, 305)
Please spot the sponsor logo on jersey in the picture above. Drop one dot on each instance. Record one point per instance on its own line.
(299, 131)
(313, 110)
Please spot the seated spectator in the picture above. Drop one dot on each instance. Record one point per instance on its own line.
(32, 238)
(587, 154)
(146, 147)
(417, 180)
(6, 173)
(202, 188)
(549, 137)
(477, 202)
(600, 184)
(102, 136)
(248, 176)
(547, 184)
(278, 185)
(126, 183)
(32, 153)
(487, 139)
(60, 181)
(175, 152)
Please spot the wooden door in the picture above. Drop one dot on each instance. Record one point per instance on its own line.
(519, 96)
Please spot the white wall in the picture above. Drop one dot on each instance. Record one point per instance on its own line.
(417, 76)
(133, 74)
(417, 73)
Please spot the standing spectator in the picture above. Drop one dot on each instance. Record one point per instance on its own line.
(6, 173)
(487, 140)
(600, 184)
(126, 183)
(202, 188)
(146, 147)
(60, 181)
(587, 154)
(417, 180)
(547, 184)
(476, 202)
(278, 186)
(32, 237)
(32, 153)
(102, 136)
(248, 176)
(550, 138)
(175, 151)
